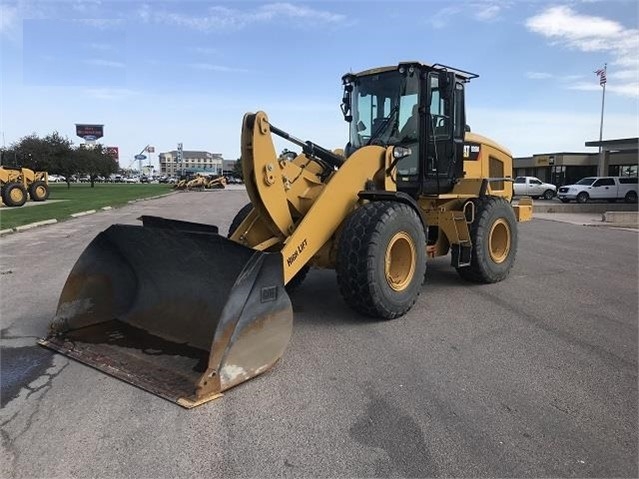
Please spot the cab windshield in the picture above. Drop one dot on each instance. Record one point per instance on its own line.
(384, 110)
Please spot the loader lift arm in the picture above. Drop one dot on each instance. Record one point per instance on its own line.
(267, 184)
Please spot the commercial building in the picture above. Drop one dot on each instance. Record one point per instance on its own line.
(619, 158)
(191, 162)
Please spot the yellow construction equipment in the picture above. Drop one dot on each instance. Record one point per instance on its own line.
(200, 182)
(179, 310)
(218, 183)
(12, 189)
(36, 183)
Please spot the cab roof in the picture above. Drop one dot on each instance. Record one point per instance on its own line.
(435, 66)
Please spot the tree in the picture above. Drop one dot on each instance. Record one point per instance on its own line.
(42, 154)
(237, 169)
(94, 161)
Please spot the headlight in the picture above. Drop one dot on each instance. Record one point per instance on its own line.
(401, 152)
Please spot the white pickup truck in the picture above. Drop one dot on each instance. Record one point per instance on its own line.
(611, 188)
(534, 187)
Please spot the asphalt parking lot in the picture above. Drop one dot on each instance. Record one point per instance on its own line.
(532, 377)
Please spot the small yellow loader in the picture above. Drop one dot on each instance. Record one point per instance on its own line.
(412, 183)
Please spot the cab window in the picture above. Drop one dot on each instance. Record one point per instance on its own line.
(604, 182)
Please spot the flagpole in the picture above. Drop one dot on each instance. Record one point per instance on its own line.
(603, 99)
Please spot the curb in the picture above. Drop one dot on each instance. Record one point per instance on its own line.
(28, 226)
(83, 213)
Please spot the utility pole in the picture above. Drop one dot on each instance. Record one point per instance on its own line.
(602, 82)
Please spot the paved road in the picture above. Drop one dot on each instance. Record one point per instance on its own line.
(535, 376)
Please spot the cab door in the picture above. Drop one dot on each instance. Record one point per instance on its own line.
(534, 187)
(603, 188)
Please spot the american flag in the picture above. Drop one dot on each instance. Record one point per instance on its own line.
(601, 73)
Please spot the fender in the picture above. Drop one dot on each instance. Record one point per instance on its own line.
(398, 196)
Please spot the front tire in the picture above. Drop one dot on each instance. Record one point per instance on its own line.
(582, 197)
(494, 238)
(549, 194)
(381, 259)
(38, 191)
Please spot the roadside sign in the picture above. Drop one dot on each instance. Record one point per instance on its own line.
(114, 152)
(140, 157)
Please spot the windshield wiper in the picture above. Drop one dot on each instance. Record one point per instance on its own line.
(389, 120)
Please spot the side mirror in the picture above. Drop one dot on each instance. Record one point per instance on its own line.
(346, 103)
(467, 128)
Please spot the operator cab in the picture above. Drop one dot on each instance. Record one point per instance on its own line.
(417, 108)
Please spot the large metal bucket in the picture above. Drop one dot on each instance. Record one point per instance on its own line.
(174, 308)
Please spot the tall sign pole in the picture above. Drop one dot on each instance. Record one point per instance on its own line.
(601, 73)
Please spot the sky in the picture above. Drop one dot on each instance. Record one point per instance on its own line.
(166, 72)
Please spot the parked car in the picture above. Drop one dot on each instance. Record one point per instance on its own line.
(534, 187)
(611, 188)
(57, 179)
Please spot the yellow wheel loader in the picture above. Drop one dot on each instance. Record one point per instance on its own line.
(36, 183)
(411, 184)
(216, 183)
(12, 189)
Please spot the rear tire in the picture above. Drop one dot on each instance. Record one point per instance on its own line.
(631, 197)
(381, 259)
(14, 194)
(38, 191)
(298, 279)
(582, 197)
(494, 237)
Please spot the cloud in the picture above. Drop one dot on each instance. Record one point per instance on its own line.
(441, 18)
(104, 63)
(487, 12)
(482, 11)
(630, 89)
(220, 18)
(101, 23)
(84, 6)
(548, 76)
(217, 68)
(526, 132)
(563, 26)
(100, 46)
(538, 75)
(8, 17)
(205, 50)
(109, 93)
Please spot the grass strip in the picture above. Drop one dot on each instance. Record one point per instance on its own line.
(80, 197)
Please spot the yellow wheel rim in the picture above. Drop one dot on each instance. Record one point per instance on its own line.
(40, 192)
(16, 195)
(499, 241)
(399, 264)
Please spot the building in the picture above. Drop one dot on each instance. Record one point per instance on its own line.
(192, 162)
(618, 158)
(229, 167)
